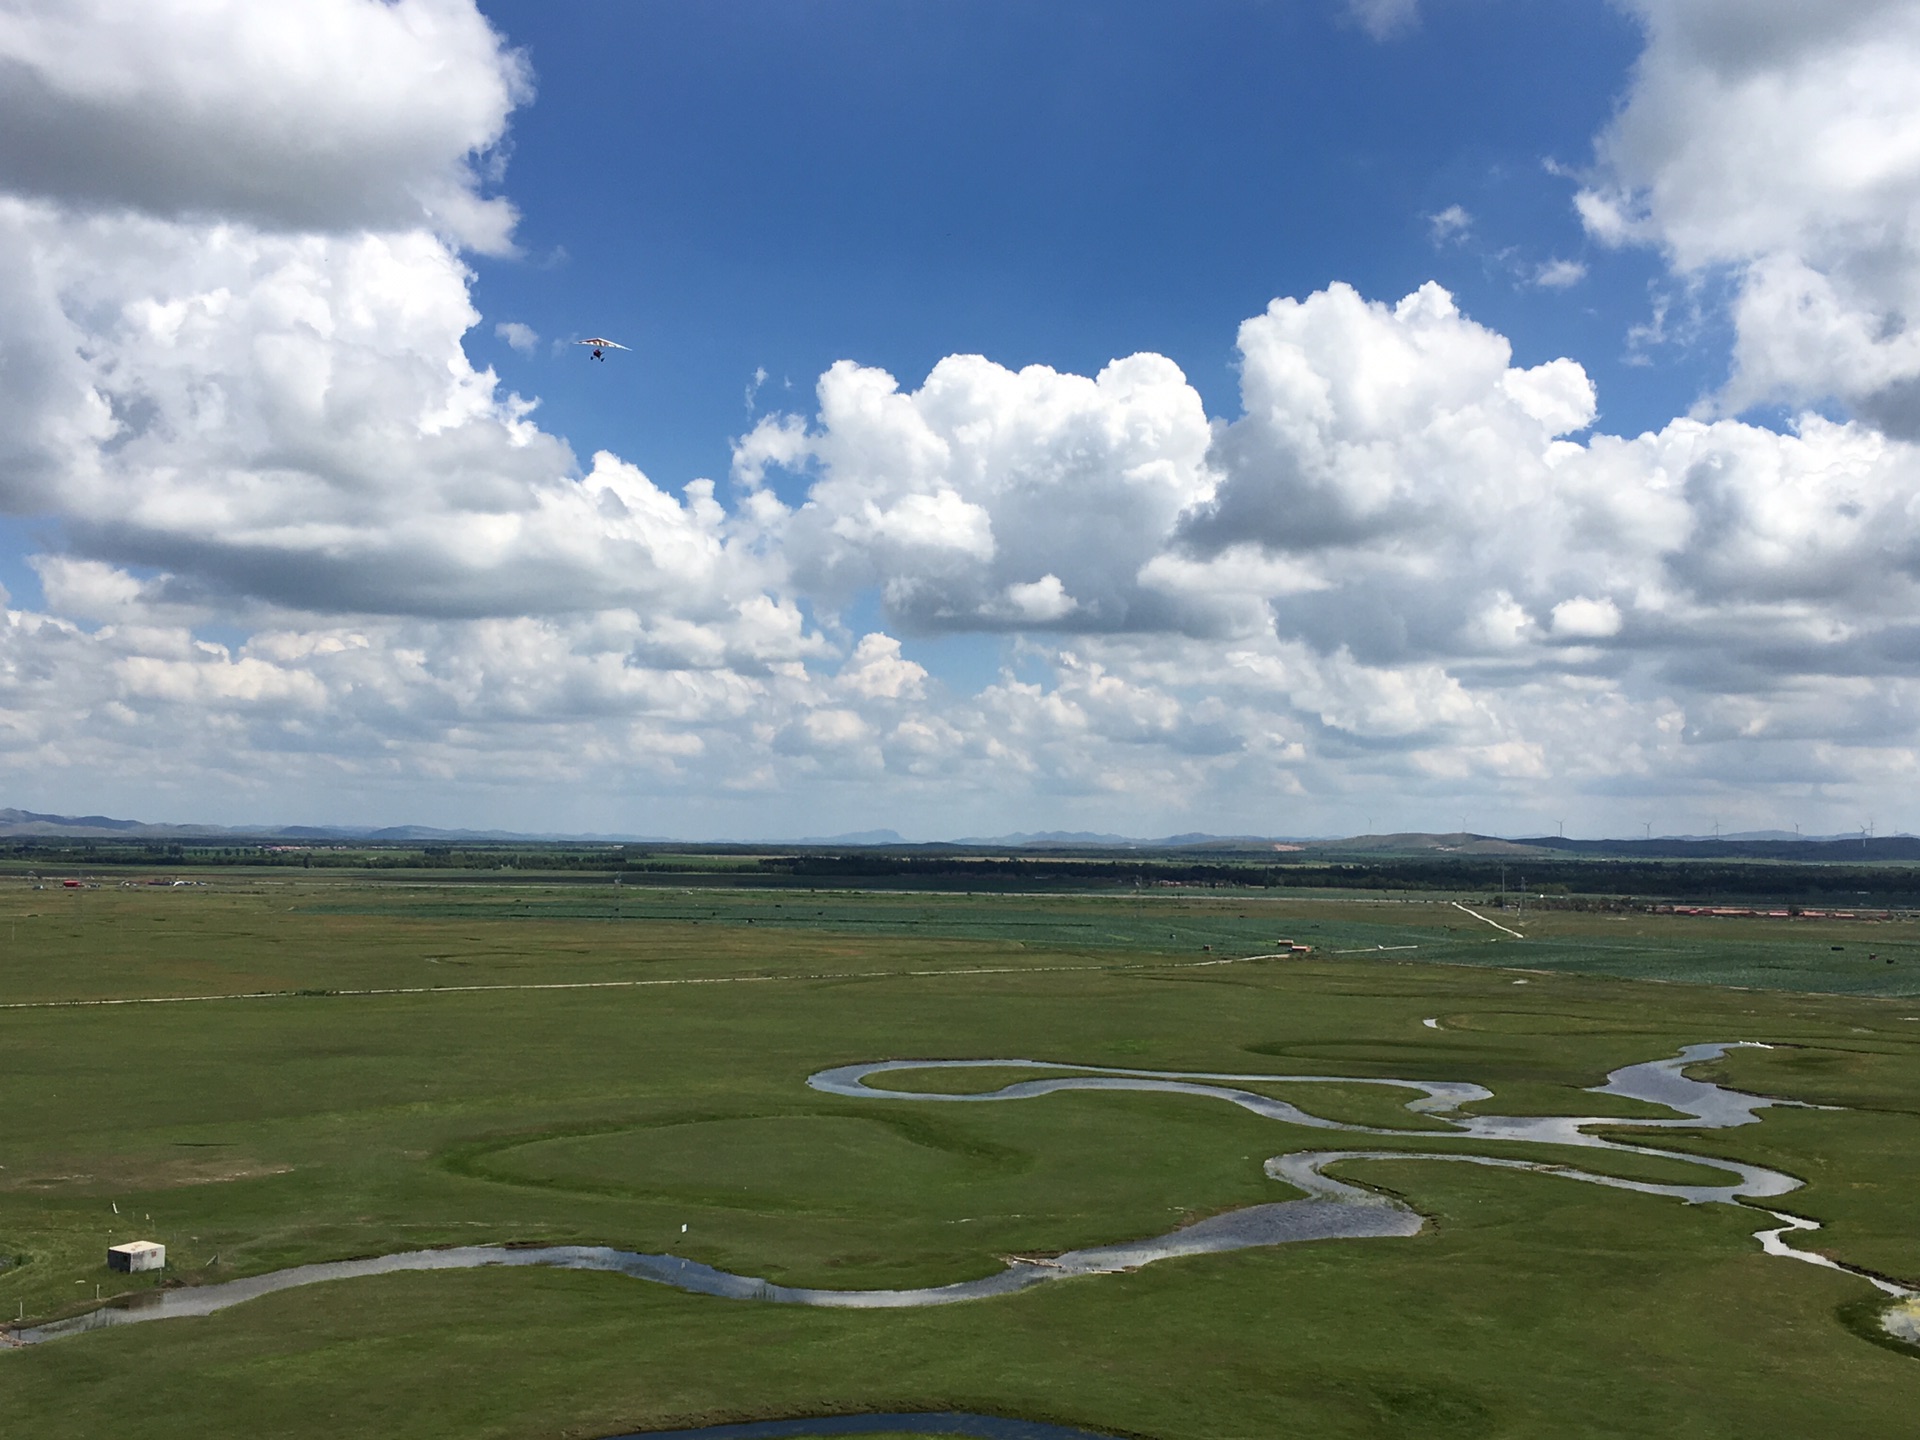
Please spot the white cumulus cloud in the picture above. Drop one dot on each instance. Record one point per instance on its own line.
(523, 338)
(989, 498)
(316, 116)
(1583, 619)
(308, 552)
(1779, 143)
(1449, 226)
(1560, 274)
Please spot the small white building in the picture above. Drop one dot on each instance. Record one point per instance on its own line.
(137, 1255)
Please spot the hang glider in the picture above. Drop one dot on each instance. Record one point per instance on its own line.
(601, 345)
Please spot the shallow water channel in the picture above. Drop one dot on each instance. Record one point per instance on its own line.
(925, 1422)
(1332, 1209)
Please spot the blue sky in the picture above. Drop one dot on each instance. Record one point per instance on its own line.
(778, 185)
(1250, 417)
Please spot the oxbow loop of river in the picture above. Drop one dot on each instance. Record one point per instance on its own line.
(1331, 1209)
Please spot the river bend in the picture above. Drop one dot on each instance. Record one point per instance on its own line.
(1331, 1208)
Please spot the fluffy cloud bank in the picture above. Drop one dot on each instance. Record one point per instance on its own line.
(313, 557)
(1775, 143)
(1394, 489)
(1396, 560)
(988, 499)
(321, 116)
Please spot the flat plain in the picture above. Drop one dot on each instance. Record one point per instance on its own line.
(409, 1063)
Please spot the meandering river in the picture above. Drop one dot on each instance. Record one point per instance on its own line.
(1331, 1209)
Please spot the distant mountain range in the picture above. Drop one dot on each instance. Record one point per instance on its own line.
(1039, 839)
(1752, 844)
(27, 824)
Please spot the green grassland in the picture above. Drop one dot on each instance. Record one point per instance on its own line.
(426, 1064)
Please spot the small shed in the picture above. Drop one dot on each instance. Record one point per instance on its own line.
(137, 1255)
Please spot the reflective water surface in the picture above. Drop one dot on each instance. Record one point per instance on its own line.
(1332, 1208)
(1903, 1322)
